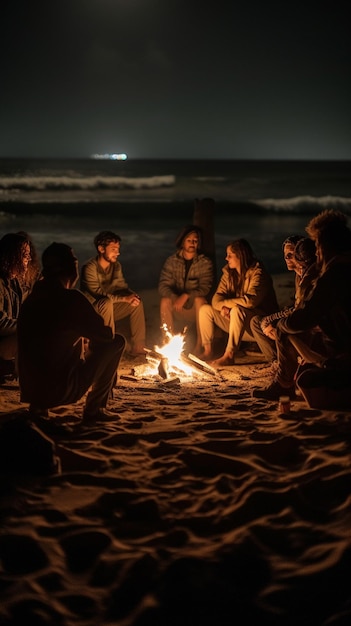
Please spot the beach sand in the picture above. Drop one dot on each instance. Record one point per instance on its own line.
(198, 505)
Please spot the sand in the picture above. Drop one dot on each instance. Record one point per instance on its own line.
(195, 505)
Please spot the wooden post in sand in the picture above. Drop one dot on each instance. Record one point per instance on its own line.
(204, 218)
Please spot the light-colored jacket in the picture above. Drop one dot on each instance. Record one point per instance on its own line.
(257, 293)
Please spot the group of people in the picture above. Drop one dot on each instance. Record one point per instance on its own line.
(307, 345)
(63, 341)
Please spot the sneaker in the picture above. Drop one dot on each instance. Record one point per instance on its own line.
(274, 391)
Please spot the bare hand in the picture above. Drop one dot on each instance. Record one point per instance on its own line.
(133, 299)
(225, 312)
(270, 332)
(179, 302)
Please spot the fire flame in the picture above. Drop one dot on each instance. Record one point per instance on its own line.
(172, 351)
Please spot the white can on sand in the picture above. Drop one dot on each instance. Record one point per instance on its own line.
(284, 404)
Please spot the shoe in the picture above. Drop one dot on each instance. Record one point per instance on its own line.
(274, 391)
(101, 415)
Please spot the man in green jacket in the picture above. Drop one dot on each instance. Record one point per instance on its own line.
(103, 283)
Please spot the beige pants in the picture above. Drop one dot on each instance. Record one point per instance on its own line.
(113, 312)
(172, 318)
(237, 327)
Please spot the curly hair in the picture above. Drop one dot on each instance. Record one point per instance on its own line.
(11, 255)
(33, 270)
(330, 231)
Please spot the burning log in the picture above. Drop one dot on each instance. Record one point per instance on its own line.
(154, 354)
(193, 360)
(163, 368)
(173, 381)
(170, 362)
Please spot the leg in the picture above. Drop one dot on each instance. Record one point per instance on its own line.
(136, 321)
(208, 319)
(238, 325)
(104, 306)
(284, 379)
(265, 344)
(102, 366)
(198, 303)
(166, 314)
(190, 317)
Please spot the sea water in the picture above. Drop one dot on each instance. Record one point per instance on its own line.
(148, 202)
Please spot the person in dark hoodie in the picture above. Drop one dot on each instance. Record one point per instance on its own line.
(185, 282)
(324, 378)
(54, 319)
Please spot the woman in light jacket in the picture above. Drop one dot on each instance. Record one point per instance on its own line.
(245, 289)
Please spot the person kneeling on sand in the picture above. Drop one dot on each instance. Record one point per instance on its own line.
(325, 374)
(52, 323)
(245, 289)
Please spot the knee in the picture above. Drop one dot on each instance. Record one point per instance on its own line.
(199, 302)
(255, 324)
(238, 313)
(205, 312)
(104, 306)
(166, 304)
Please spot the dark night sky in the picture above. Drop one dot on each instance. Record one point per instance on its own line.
(175, 79)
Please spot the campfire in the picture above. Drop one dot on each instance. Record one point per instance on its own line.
(169, 364)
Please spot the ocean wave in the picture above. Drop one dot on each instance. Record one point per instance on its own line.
(305, 204)
(41, 183)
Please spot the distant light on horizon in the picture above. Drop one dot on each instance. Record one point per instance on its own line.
(113, 157)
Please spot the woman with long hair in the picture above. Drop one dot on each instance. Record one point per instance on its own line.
(15, 256)
(244, 290)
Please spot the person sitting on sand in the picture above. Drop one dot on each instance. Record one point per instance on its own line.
(103, 283)
(300, 256)
(33, 272)
(185, 282)
(324, 378)
(52, 323)
(245, 289)
(15, 257)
